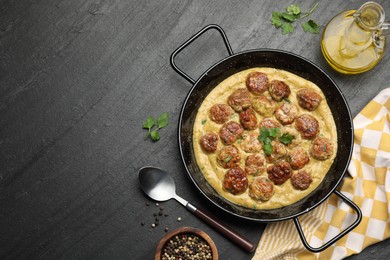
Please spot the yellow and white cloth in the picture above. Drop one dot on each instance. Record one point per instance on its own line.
(368, 186)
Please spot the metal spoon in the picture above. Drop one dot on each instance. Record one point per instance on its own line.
(160, 186)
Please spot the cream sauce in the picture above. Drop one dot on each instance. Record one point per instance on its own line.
(285, 194)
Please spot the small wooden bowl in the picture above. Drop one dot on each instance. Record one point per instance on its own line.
(185, 230)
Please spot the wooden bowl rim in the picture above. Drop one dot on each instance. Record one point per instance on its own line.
(191, 230)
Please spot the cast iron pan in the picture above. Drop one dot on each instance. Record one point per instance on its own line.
(280, 60)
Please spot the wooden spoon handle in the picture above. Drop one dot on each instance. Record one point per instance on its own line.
(218, 225)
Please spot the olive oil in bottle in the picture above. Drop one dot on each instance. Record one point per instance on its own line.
(354, 41)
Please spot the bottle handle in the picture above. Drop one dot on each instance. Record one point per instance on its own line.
(385, 28)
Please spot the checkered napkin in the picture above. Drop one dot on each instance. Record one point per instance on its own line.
(368, 186)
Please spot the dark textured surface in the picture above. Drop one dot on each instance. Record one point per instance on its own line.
(77, 79)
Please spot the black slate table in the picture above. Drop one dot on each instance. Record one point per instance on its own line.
(78, 78)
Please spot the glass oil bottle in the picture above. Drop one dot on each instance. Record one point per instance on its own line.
(354, 41)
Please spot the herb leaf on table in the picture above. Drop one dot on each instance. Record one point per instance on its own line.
(293, 14)
(161, 122)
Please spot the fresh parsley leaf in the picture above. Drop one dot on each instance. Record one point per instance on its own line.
(163, 120)
(268, 149)
(263, 134)
(155, 135)
(273, 132)
(287, 28)
(286, 138)
(293, 9)
(276, 19)
(228, 159)
(288, 17)
(149, 122)
(311, 27)
(204, 121)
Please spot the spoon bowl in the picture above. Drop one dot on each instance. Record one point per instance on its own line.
(157, 184)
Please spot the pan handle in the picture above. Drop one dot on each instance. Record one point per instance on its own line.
(190, 40)
(340, 235)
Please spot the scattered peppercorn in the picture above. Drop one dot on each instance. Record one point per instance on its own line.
(166, 229)
(179, 219)
(153, 225)
(186, 246)
(142, 223)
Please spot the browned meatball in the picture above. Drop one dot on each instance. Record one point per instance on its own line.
(301, 180)
(278, 151)
(209, 142)
(298, 158)
(235, 181)
(257, 82)
(321, 148)
(250, 143)
(263, 105)
(279, 90)
(307, 125)
(248, 119)
(228, 156)
(279, 172)
(261, 189)
(254, 164)
(269, 123)
(240, 100)
(230, 131)
(220, 113)
(286, 113)
(308, 99)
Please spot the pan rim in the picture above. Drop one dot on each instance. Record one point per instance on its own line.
(267, 220)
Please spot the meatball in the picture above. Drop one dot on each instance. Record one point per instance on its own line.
(278, 152)
(269, 123)
(321, 148)
(230, 131)
(250, 143)
(290, 134)
(248, 119)
(308, 99)
(254, 164)
(220, 113)
(235, 181)
(279, 90)
(257, 82)
(209, 142)
(228, 156)
(286, 113)
(240, 100)
(298, 158)
(261, 189)
(301, 180)
(307, 125)
(264, 105)
(279, 172)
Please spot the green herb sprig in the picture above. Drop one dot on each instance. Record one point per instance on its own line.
(150, 122)
(266, 136)
(286, 138)
(285, 20)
